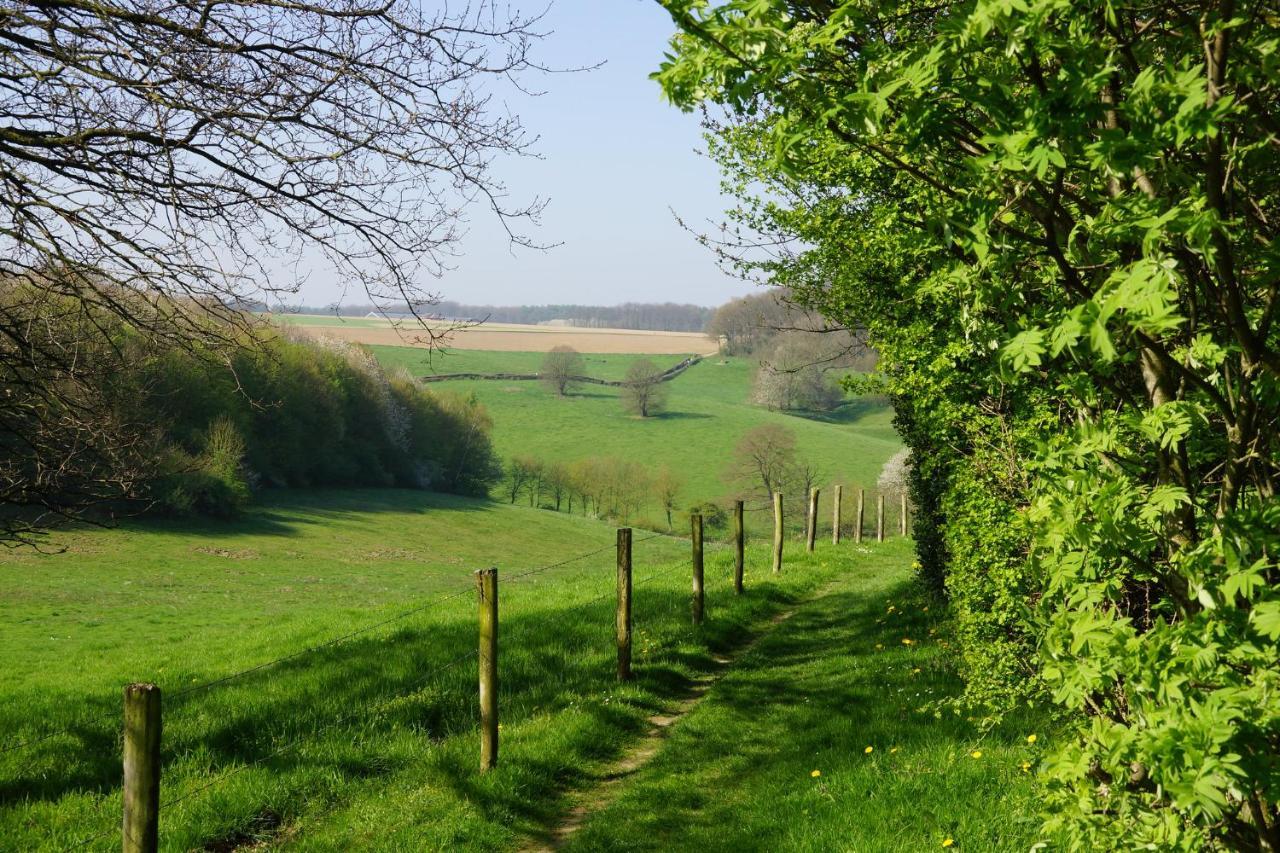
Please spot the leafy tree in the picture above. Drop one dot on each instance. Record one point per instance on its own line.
(1056, 219)
(561, 368)
(643, 392)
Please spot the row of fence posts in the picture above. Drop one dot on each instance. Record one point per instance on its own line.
(142, 720)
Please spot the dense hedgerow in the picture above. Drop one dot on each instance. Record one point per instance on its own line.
(280, 411)
(1057, 221)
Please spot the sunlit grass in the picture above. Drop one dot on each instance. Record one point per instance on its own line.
(368, 744)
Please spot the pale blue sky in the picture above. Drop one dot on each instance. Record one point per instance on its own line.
(616, 161)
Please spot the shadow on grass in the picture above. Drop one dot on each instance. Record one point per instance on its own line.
(420, 679)
(280, 512)
(848, 412)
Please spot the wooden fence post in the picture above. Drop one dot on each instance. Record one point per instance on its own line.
(835, 515)
(695, 522)
(811, 528)
(487, 590)
(880, 517)
(624, 604)
(739, 547)
(902, 514)
(862, 515)
(777, 533)
(140, 829)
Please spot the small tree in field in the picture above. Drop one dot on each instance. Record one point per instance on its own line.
(642, 391)
(666, 486)
(561, 369)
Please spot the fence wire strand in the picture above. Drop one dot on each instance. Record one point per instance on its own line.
(310, 735)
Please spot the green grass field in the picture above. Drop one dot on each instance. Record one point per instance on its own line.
(825, 736)
(422, 362)
(708, 412)
(370, 743)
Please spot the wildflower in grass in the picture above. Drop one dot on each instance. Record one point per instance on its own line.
(869, 750)
(879, 645)
(906, 641)
(893, 750)
(947, 842)
(815, 774)
(1031, 738)
(1026, 767)
(915, 671)
(926, 609)
(977, 753)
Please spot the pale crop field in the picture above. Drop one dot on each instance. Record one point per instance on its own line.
(505, 337)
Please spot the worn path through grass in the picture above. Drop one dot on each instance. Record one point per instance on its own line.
(823, 735)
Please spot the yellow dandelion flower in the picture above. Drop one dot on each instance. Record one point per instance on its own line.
(947, 842)
(1026, 767)
(891, 609)
(893, 750)
(815, 774)
(977, 753)
(906, 641)
(879, 645)
(1031, 738)
(915, 671)
(869, 750)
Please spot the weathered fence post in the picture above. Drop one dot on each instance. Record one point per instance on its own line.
(487, 589)
(695, 522)
(140, 830)
(880, 517)
(835, 515)
(777, 532)
(739, 547)
(862, 515)
(811, 528)
(624, 604)
(902, 514)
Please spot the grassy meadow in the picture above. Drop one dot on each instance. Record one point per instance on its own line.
(708, 411)
(368, 743)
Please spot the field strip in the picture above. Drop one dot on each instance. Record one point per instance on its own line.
(591, 800)
(513, 338)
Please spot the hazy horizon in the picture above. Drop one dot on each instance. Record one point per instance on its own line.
(617, 165)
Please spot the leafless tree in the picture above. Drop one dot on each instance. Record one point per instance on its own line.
(161, 164)
(801, 369)
(561, 368)
(642, 390)
(762, 461)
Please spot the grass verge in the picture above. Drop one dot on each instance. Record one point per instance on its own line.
(824, 737)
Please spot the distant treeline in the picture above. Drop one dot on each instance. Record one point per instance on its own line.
(663, 317)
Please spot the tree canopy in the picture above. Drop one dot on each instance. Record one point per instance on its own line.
(1057, 221)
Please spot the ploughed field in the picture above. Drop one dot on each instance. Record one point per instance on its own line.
(503, 337)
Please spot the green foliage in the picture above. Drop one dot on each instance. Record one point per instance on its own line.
(1055, 218)
(713, 515)
(292, 412)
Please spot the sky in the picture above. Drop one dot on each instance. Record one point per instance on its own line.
(618, 164)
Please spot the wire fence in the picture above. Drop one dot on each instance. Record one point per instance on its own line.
(373, 708)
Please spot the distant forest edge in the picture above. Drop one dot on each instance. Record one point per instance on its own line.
(660, 317)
